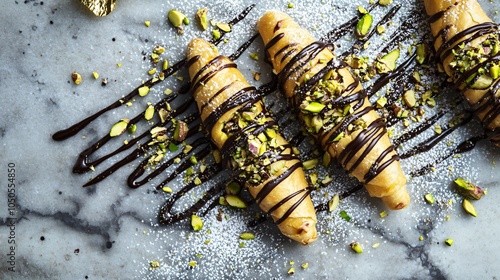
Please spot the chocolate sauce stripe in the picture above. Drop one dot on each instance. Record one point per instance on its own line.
(430, 142)
(463, 147)
(419, 129)
(165, 215)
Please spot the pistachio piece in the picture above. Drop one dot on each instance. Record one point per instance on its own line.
(201, 16)
(421, 53)
(143, 91)
(223, 26)
(305, 265)
(181, 130)
(333, 203)
(131, 129)
(449, 241)
(364, 25)
(247, 236)
(196, 222)
(277, 167)
(149, 113)
(356, 247)
(216, 34)
(167, 189)
(235, 201)
(310, 164)
(384, 2)
(76, 77)
(409, 98)
(119, 127)
(495, 71)
(469, 208)
(186, 21)
(233, 188)
(314, 107)
(388, 62)
(381, 102)
(429, 198)
(163, 115)
(147, 23)
(468, 190)
(482, 82)
(95, 75)
(175, 17)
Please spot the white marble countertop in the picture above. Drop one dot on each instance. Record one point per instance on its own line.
(60, 230)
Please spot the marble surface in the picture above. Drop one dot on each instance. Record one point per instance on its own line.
(110, 231)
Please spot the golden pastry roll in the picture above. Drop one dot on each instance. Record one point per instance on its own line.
(251, 146)
(467, 47)
(333, 107)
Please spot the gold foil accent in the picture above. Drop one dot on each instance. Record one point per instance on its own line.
(100, 7)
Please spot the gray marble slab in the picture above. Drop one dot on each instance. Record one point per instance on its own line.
(59, 230)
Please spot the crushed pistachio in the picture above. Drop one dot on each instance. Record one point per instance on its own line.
(409, 98)
(384, 2)
(254, 56)
(380, 29)
(304, 265)
(154, 264)
(429, 198)
(333, 203)
(356, 247)
(310, 164)
(468, 190)
(201, 16)
(449, 241)
(76, 77)
(383, 214)
(119, 127)
(150, 112)
(291, 271)
(233, 188)
(196, 223)
(167, 189)
(247, 236)
(235, 201)
(223, 26)
(290, 5)
(216, 34)
(364, 25)
(147, 23)
(95, 75)
(143, 91)
(176, 18)
(469, 208)
(131, 129)
(388, 62)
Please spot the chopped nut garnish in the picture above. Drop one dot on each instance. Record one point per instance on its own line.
(76, 77)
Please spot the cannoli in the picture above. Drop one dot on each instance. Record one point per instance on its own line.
(333, 107)
(467, 47)
(251, 147)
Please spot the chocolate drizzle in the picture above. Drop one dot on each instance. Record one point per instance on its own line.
(139, 144)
